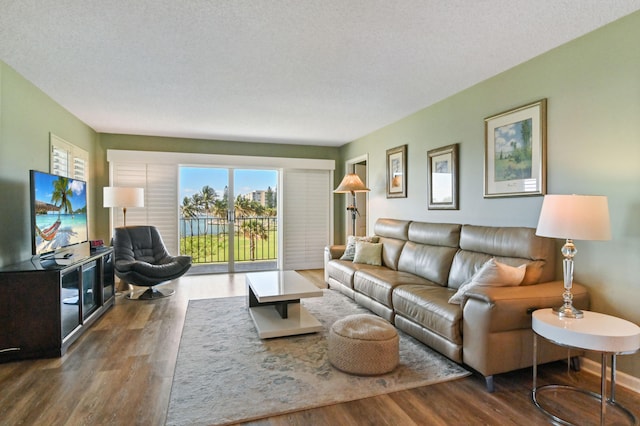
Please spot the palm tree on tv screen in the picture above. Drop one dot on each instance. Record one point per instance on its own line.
(62, 193)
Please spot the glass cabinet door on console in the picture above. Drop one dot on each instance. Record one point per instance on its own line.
(108, 279)
(70, 298)
(90, 288)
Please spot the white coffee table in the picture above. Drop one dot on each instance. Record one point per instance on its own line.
(273, 299)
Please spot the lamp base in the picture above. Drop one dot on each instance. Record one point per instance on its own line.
(570, 311)
(567, 310)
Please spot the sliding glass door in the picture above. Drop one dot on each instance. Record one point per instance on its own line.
(255, 216)
(228, 218)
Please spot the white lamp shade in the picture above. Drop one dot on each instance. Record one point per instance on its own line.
(576, 217)
(351, 183)
(116, 196)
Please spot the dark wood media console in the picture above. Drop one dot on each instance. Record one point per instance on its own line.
(46, 305)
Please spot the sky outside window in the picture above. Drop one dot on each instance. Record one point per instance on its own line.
(192, 179)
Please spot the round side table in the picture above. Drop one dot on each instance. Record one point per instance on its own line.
(595, 332)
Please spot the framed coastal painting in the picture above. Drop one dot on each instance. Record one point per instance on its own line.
(397, 172)
(442, 178)
(515, 151)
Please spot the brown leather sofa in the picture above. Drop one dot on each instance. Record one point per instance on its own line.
(423, 264)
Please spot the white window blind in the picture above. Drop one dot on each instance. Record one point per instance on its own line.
(67, 159)
(59, 161)
(306, 217)
(306, 199)
(162, 202)
(160, 198)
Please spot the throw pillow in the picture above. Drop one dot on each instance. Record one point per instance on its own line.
(350, 250)
(491, 274)
(369, 253)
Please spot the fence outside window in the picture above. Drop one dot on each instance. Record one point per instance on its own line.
(206, 238)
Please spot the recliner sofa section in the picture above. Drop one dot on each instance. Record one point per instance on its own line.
(424, 264)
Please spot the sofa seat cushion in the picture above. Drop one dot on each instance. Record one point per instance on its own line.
(429, 307)
(378, 284)
(343, 271)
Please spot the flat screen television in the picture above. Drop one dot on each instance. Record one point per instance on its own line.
(58, 212)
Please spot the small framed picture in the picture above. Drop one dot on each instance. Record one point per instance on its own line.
(515, 161)
(397, 172)
(442, 178)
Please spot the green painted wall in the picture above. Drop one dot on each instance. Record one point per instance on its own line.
(165, 144)
(27, 116)
(592, 86)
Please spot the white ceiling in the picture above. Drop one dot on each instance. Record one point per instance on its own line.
(321, 72)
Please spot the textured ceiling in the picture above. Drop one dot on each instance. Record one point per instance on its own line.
(321, 72)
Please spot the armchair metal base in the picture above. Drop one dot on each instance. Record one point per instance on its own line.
(150, 294)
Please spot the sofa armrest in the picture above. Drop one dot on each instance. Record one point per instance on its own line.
(335, 251)
(497, 325)
(511, 307)
(530, 297)
(332, 252)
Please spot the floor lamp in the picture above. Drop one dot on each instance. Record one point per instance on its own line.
(122, 197)
(117, 196)
(573, 217)
(351, 183)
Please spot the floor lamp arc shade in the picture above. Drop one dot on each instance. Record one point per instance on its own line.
(123, 197)
(573, 217)
(351, 183)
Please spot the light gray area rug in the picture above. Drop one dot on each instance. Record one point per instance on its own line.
(226, 374)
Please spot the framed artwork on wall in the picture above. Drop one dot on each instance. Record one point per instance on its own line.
(515, 161)
(397, 172)
(442, 178)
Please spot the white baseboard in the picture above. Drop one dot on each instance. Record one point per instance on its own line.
(622, 379)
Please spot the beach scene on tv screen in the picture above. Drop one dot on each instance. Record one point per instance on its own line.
(60, 208)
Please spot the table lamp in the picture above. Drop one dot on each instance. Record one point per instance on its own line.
(351, 183)
(573, 217)
(117, 196)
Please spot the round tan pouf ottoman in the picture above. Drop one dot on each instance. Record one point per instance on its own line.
(363, 344)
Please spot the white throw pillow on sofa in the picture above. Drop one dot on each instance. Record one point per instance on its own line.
(369, 253)
(491, 274)
(350, 250)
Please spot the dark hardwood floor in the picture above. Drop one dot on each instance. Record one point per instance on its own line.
(120, 373)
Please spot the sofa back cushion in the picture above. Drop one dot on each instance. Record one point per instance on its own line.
(513, 246)
(430, 250)
(393, 234)
(435, 234)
